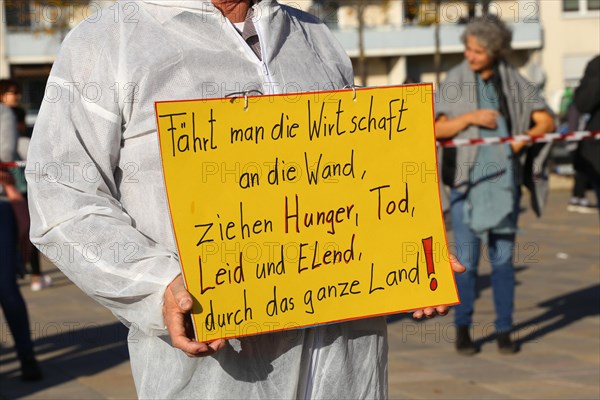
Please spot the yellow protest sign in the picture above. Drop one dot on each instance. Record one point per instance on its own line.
(302, 209)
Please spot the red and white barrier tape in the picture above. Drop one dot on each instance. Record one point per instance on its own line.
(13, 164)
(549, 137)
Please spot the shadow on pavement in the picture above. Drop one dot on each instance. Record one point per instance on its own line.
(483, 282)
(79, 352)
(561, 311)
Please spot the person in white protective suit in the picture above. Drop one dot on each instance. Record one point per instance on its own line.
(98, 200)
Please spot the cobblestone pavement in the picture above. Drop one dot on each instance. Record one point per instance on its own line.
(83, 353)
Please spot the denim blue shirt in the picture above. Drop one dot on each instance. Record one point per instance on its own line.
(490, 202)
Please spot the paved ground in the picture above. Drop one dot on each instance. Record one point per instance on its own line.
(83, 353)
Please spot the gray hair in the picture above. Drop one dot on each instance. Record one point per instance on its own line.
(491, 33)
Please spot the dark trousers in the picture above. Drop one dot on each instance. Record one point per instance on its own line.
(581, 184)
(13, 305)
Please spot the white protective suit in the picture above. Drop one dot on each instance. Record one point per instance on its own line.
(98, 200)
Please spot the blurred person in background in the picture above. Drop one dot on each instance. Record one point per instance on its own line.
(483, 97)
(13, 209)
(587, 100)
(571, 120)
(10, 96)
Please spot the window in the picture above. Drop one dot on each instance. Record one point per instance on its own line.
(573, 68)
(580, 6)
(17, 14)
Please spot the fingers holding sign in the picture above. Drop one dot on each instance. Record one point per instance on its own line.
(431, 312)
(176, 313)
(456, 265)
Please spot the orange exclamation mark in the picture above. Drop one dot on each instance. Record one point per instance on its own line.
(427, 247)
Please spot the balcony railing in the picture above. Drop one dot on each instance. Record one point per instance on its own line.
(407, 28)
(343, 14)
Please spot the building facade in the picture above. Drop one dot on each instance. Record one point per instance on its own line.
(572, 39)
(398, 37)
(400, 45)
(31, 32)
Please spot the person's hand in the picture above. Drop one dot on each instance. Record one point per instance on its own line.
(517, 146)
(485, 118)
(176, 313)
(543, 122)
(431, 312)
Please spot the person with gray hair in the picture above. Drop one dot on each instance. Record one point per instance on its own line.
(491, 33)
(484, 97)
